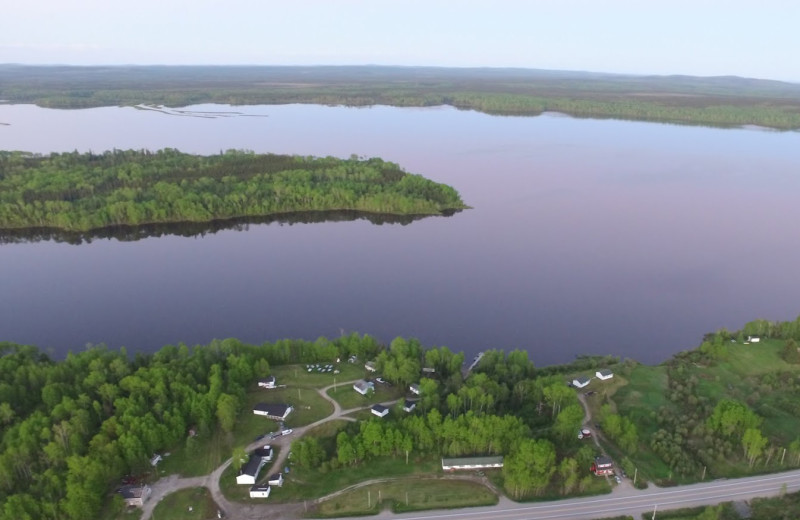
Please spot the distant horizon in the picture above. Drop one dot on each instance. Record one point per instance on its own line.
(378, 65)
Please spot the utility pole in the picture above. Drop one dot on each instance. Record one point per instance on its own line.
(704, 474)
(654, 511)
(783, 456)
(635, 473)
(369, 499)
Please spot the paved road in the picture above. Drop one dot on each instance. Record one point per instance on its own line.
(621, 501)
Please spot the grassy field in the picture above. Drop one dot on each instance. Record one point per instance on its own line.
(328, 429)
(200, 457)
(738, 376)
(186, 504)
(116, 510)
(348, 398)
(298, 375)
(407, 495)
(305, 484)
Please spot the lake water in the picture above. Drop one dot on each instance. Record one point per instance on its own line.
(586, 237)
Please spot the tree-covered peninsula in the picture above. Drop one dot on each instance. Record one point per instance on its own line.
(86, 191)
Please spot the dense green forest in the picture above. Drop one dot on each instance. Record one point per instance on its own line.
(83, 191)
(72, 428)
(718, 101)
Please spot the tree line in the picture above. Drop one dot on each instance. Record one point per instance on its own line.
(72, 428)
(83, 191)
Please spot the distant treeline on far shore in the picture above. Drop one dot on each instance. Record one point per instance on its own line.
(713, 101)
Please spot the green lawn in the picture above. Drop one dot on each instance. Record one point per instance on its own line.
(213, 449)
(327, 429)
(115, 509)
(298, 375)
(407, 495)
(308, 406)
(348, 398)
(186, 504)
(198, 457)
(736, 377)
(304, 484)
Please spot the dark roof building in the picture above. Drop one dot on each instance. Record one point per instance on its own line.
(380, 410)
(134, 495)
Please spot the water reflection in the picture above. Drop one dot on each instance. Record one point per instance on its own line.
(201, 229)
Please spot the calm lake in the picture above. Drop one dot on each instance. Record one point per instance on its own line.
(586, 237)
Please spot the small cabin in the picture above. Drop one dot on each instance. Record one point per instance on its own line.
(409, 406)
(259, 491)
(580, 382)
(414, 389)
(268, 382)
(364, 387)
(380, 410)
(604, 374)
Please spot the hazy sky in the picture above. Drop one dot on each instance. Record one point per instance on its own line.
(699, 37)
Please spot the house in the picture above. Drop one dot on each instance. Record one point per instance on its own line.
(267, 383)
(409, 406)
(364, 387)
(259, 491)
(580, 382)
(472, 463)
(265, 452)
(753, 339)
(155, 460)
(414, 388)
(370, 365)
(602, 466)
(249, 472)
(380, 410)
(135, 496)
(604, 374)
(276, 479)
(279, 412)
(428, 370)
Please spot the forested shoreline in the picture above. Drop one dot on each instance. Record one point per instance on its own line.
(715, 101)
(74, 427)
(77, 192)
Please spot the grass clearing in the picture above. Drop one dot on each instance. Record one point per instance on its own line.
(327, 429)
(407, 495)
(348, 398)
(298, 375)
(306, 484)
(198, 456)
(186, 504)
